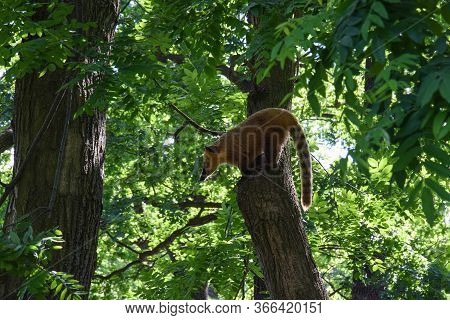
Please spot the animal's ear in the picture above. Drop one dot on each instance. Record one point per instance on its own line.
(212, 148)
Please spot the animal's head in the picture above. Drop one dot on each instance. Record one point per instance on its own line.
(210, 161)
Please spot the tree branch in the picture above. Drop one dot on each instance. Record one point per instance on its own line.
(199, 204)
(228, 72)
(195, 124)
(161, 57)
(336, 290)
(178, 131)
(235, 77)
(120, 243)
(6, 140)
(193, 222)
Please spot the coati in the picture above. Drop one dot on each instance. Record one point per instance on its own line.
(257, 144)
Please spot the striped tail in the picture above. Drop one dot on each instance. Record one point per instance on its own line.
(304, 155)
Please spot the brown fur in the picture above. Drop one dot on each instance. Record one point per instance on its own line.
(258, 141)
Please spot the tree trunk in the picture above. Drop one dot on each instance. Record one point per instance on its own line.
(58, 160)
(260, 291)
(271, 210)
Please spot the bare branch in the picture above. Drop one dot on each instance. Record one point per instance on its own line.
(195, 124)
(6, 140)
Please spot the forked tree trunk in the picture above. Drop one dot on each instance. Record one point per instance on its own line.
(271, 210)
(61, 182)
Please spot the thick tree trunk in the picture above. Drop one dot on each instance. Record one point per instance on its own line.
(58, 160)
(271, 210)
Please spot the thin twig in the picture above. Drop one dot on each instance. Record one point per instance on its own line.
(331, 180)
(195, 124)
(244, 276)
(120, 243)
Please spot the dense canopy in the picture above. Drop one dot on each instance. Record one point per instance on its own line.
(370, 84)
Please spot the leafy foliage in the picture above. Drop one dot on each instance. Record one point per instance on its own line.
(27, 256)
(373, 81)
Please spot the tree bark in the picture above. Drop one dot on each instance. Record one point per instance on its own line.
(260, 291)
(58, 160)
(271, 210)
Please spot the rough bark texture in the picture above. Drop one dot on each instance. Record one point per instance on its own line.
(59, 160)
(260, 291)
(271, 210)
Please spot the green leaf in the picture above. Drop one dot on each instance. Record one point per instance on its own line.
(53, 285)
(405, 158)
(365, 29)
(286, 98)
(275, 50)
(314, 103)
(379, 8)
(438, 189)
(58, 288)
(428, 206)
(439, 130)
(14, 237)
(429, 86)
(415, 192)
(438, 169)
(63, 294)
(444, 88)
(352, 116)
(28, 235)
(436, 152)
(372, 162)
(377, 20)
(42, 73)
(409, 142)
